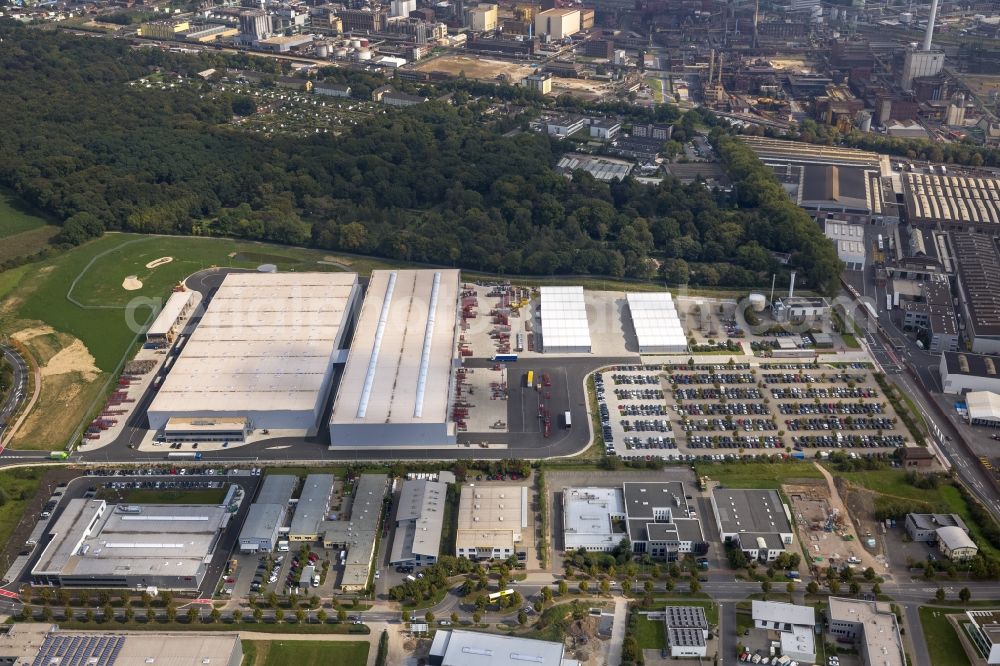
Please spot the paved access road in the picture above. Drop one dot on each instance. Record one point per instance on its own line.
(17, 394)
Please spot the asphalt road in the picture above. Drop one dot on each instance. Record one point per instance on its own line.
(17, 394)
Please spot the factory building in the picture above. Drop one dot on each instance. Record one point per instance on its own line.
(754, 520)
(355, 536)
(267, 514)
(483, 18)
(795, 625)
(686, 630)
(419, 520)
(962, 372)
(397, 385)
(978, 283)
(491, 520)
(44, 644)
(262, 357)
(565, 328)
(951, 202)
(455, 647)
(656, 323)
(94, 544)
(850, 242)
(983, 408)
(311, 508)
(557, 23)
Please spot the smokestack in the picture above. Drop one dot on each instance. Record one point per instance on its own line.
(720, 68)
(929, 35)
(791, 286)
(711, 65)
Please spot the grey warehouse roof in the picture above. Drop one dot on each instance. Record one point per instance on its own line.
(750, 511)
(692, 617)
(401, 357)
(468, 648)
(276, 489)
(312, 505)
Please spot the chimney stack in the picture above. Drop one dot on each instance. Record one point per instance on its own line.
(711, 65)
(791, 286)
(929, 35)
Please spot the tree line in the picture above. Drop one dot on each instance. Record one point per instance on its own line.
(439, 183)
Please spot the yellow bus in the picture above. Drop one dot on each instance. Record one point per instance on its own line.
(531, 378)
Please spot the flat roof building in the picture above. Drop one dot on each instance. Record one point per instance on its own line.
(654, 516)
(397, 385)
(264, 351)
(962, 372)
(985, 632)
(261, 527)
(978, 281)
(173, 316)
(358, 533)
(565, 328)
(43, 644)
(686, 630)
(755, 520)
(795, 625)
(470, 648)
(94, 544)
(419, 520)
(491, 521)
(657, 325)
(872, 625)
(311, 508)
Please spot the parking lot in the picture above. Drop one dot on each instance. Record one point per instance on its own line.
(737, 409)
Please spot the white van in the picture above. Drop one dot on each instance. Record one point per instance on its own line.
(282, 546)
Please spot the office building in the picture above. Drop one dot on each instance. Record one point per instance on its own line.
(850, 242)
(653, 516)
(491, 522)
(94, 544)
(686, 630)
(756, 521)
(795, 626)
(540, 81)
(984, 631)
(871, 625)
(398, 382)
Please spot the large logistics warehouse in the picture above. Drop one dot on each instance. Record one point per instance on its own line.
(657, 326)
(397, 385)
(262, 355)
(565, 328)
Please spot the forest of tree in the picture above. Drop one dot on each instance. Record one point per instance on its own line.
(435, 183)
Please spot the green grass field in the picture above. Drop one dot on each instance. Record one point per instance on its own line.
(306, 653)
(649, 634)
(757, 475)
(942, 641)
(17, 487)
(15, 216)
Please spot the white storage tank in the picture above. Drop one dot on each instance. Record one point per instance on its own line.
(340, 52)
(364, 54)
(322, 50)
(758, 302)
(356, 43)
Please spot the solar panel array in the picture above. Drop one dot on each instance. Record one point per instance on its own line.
(68, 650)
(953, 198)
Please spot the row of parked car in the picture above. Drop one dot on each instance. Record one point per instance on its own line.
(738, 442)
(713, 378)
(803, 408)
(723, 408)
(849, 441)
(602, 406)
(728, 392)
(833, 392)
(834, 423)
(717, 425)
